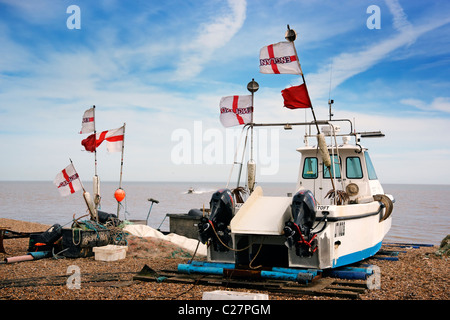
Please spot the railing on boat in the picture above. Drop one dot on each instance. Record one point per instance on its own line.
(288, 126)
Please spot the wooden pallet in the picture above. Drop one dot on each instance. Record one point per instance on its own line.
(325, 286)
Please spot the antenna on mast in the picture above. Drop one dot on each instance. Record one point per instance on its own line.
(330, 101)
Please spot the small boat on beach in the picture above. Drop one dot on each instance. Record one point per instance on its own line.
(337, 215)
(330, 221)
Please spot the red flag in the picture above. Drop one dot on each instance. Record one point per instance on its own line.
(114, 140)
(296, 97)
(90, 143)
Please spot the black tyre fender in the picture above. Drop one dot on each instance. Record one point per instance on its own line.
(387, 202)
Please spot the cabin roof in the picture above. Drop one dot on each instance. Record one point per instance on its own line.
(341, 147)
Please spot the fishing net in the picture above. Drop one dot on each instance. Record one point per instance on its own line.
(151, 247)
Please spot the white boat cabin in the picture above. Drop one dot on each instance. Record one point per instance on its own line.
(352, 170)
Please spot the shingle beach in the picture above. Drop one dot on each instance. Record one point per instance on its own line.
(419, 274)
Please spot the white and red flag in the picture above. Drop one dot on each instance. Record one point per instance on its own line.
(68, 181)
(279, 58)
(236, 110)
(114, 140)
(87, 122)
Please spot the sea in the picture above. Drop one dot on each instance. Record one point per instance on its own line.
(421, 213)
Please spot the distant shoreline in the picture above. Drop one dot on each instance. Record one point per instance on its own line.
(219, 182)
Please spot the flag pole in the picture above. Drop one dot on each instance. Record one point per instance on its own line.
(121, 168)
(291, 36)
(96, 180)
(121, 160)
(87, 197)
(81, 182)
(95, 151)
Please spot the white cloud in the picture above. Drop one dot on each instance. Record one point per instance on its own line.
(130, 80)
(400, 21)
(38, 12)
(438, 104)
(349, 64)
(212, 35)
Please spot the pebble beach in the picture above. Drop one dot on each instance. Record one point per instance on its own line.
(419, 274)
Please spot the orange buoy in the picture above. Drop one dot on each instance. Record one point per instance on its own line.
(119, 194)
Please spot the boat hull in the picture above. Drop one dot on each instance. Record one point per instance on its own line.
(351, 233)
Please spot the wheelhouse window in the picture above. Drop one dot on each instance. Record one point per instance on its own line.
(370, 168)
(354, 169)
(335, 171)
(310, 168)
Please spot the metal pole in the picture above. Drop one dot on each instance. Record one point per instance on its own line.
(95, 150)
(96, 180)
(242, 160)
(82, 186)
(251, 126)
(121, 168)
(87, 197)
(291, 36)
(252, 86)
(121, 160)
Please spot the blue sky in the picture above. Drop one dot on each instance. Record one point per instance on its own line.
(162, 66)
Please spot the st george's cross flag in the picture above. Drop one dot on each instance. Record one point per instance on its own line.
(87, 122)
(67, 181)
(279, 58)
(236, 110)
(114, 140)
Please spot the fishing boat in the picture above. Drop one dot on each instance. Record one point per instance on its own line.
(330, 221)
(337, 215)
